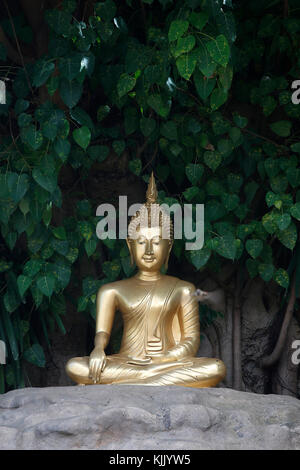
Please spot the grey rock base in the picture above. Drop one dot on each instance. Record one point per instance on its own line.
(136, 417)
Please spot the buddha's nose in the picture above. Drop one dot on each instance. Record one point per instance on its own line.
(149, 248)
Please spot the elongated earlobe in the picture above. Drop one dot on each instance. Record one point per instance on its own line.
(167, 257)
(132, 263)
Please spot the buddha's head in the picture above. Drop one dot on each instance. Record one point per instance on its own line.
(150, 234)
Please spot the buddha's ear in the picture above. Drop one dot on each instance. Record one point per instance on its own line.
(130, 251)
(168, 255)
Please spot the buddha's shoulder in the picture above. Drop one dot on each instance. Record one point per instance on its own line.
(115, 286)
(185, 287)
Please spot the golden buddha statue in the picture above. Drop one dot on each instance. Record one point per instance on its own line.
(160, 313)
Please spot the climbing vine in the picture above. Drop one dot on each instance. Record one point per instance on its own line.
(199, 91)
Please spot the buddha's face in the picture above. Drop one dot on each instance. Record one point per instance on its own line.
(149, 250)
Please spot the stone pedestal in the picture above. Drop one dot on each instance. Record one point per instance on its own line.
(156, 418)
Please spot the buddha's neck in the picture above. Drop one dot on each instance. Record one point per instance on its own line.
(148, 276)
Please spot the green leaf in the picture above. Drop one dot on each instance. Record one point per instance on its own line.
(125, 84)
(283, 221)
(52, 84)
(61, 272)
(254, 247)
(204, 85)
(59, 232)
(135, 166)
(295, 210)
(111, 269)
(199, 258)
(46, 284)
(98, 152)
(212, 159)
(72, 255)
(288, 237)
(82, 303)
(59, 21)
(59, 322)
(82, 136)
(5, 265)
(235, 135)
(106, 10)
(46, 181)
(194, 172)
(119, 146)
(266, 271)
(269, 222)
(217, 98)
(126, 265)
(205, 62)
(225, 147)
(21, 106)
(296, 147)
(169, 130)
(191, 193)
(18, 184)
(293, 176)
(240, 121)
(147, 126)
(252, 267)
(62, 148)
(51, 125)
(161, 106)
(219, 50)
(69, 67)
(282, 278)
(31, 136)
(35, 355)
(24, 283)
(281, 128)
(32, 267)
(230, 201)
(186, 64)
(86, 230)
(184, 45)
(177, 29)
(225, 246)
(102, 112)
(70, 92)
(80, 116)
(24, 120)
(198, 20)
(42, 71)
(90, 246)
(268, 104)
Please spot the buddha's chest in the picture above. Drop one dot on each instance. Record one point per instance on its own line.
(150, 304)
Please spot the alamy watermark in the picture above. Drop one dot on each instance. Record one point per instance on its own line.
(296, 354)
(2, 92)
(2, 352)
(296, 94)
(188, 221)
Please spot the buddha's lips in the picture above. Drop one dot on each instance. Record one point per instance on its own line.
(148, 259)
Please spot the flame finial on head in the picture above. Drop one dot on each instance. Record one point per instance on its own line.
(151, 194)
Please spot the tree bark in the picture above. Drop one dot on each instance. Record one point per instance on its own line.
(275, 355)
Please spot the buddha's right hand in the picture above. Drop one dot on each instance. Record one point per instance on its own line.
(97, 363)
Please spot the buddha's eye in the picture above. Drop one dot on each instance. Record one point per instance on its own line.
(155, 241)
(141, 242)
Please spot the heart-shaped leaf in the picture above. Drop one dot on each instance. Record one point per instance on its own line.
(82, 136)
(219, 50)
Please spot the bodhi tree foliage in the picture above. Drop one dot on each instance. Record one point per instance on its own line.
(199, 91)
